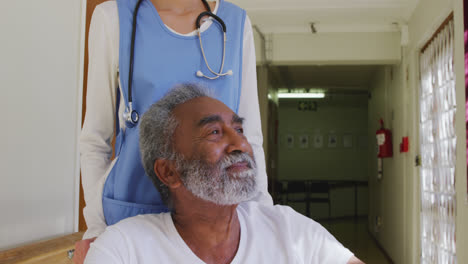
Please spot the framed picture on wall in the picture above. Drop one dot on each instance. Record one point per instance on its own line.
(318, 141)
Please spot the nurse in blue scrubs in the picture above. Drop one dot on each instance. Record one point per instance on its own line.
(167, 50)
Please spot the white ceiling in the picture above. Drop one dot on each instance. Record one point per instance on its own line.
(280, 16)
(295, 16)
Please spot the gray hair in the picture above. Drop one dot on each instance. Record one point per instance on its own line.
(157, 129)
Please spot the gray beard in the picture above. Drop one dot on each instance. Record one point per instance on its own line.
(211, 182)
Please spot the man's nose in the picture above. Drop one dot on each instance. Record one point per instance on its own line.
(236, 142)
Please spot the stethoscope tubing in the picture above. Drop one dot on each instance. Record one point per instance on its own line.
(132, 51)
(132, 116)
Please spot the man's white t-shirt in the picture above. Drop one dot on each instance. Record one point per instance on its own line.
(269, 234)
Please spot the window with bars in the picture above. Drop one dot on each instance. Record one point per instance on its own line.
(438, 147)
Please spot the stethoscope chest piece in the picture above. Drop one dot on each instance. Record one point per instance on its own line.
(131, 118)
(134, 116)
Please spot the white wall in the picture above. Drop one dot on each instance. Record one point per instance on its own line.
(337, 48)
(427, 17)
(387, 195)
(461, 173)
(41, 77)
(396, 198)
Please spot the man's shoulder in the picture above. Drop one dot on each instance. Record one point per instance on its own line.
(283, 224)
(133, 238)
(257, 207)
(280, 214)
(142, 223)
(253, 206)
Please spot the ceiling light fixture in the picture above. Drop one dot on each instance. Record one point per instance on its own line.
(301, 95)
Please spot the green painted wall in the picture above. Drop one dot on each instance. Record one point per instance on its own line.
(338, 115)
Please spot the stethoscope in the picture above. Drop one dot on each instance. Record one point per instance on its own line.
(132, 115)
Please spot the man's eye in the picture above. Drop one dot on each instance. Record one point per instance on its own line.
(215, 132)
(240, 130)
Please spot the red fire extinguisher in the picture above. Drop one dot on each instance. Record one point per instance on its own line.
(384, 141)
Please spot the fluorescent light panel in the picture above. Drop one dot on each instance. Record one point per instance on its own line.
(301, 95)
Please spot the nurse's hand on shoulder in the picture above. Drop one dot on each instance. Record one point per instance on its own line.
(81, 248)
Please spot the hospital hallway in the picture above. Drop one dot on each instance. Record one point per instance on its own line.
(324, 157)
(368, 124)
(363, 115)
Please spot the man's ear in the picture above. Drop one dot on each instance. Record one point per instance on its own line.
(167, 173)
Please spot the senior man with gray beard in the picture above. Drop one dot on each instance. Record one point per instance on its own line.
(194, 150)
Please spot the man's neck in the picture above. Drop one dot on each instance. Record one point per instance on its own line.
(211, 231)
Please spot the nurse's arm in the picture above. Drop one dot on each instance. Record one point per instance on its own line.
(249, 108)
(98, 126)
